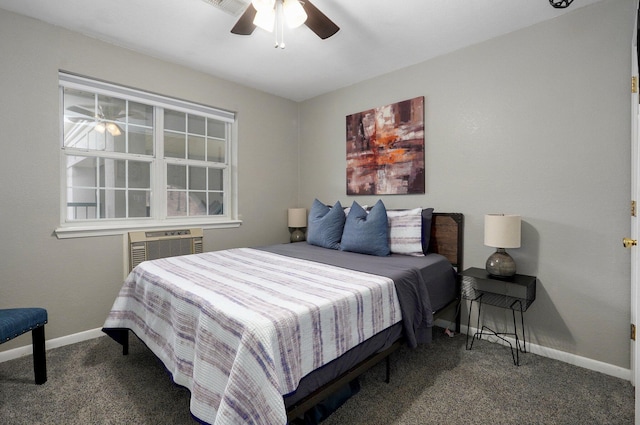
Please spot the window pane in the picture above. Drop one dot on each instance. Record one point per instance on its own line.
(197, 178)
(112, 203)
(174, 145)
(79, 117)
(139, 203)
(196, 124)
(215, 150)
(176, 203)
(119, 139)
(140, 114)
(140, 140)
(174, 120)
(79, 133)
(176, 176)
(81, 204)
(215, 204)
(79, 103)
(197, 203)
(113, 173)
(95, 135)
(196, 147)
(139, 175)
(111, 108)
(216, 129)
(120, 202)
(215, 179)
(81, 171)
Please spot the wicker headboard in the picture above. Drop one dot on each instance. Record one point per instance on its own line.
(447, 231)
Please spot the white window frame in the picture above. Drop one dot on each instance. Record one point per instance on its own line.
(159, 220)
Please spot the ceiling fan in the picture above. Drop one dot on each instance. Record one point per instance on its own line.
(102, 120)
(560, 4)
(316, 21)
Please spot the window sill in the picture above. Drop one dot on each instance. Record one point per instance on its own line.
(80, 231)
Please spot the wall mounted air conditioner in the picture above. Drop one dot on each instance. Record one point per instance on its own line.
(154, 244)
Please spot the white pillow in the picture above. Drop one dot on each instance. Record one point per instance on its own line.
(405, 232)
(347, 209)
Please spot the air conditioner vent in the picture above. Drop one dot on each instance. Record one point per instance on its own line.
(152, 245)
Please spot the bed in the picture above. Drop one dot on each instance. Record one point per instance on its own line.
(260, 335)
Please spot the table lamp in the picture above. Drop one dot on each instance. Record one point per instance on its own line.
(297, 222)
(501, 231)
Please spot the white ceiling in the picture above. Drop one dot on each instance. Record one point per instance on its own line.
(375, 37)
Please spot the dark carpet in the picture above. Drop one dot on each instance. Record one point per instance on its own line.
(93, 383)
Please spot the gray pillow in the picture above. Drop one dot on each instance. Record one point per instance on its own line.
(366, 233)
(325, 224)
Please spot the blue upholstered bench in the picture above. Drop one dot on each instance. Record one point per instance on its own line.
(16, 321)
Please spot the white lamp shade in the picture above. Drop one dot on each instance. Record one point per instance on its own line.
(113, 129)
(263, 4)
(265, 19)
(294, 13)
(502, 230)
(297, 217)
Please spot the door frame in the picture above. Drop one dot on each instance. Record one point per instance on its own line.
(635, 225)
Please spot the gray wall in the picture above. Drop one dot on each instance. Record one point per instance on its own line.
(537, 123)
(78, 279)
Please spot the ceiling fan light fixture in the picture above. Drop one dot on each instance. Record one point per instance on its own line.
(100, 128)
(294, 13)
(560, 4)
(113, 129)
(263, 4)
(265, 19)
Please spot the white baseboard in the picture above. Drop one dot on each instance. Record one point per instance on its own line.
(551, 353)
(595, 365)
(51, 343)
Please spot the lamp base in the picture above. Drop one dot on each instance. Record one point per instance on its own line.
(297, 235)
(500, 264)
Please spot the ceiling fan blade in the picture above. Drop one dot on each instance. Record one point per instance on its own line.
(80, 110)
(76, 120)
(245, 25)
(318, 21)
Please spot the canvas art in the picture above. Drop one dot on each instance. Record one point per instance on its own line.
(385, 150)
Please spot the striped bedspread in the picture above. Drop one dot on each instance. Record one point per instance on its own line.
(239, 328)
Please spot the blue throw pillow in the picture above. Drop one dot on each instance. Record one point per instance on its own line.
(325, 224)
(366, 233)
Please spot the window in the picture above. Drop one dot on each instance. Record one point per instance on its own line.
(132, 159)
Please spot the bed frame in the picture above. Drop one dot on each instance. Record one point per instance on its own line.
(447, 231)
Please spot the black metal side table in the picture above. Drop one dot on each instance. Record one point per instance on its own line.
(516, 293)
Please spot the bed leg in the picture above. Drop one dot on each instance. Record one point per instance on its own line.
(125, 342)
(458, 315)
(121, 336)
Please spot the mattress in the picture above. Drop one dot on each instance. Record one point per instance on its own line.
(239, 362)
(437, 277)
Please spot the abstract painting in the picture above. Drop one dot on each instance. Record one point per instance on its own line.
(385, 150)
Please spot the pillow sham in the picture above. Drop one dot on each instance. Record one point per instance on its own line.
(347, 209)
(366, 233)
(325, 225)
(405, 232)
